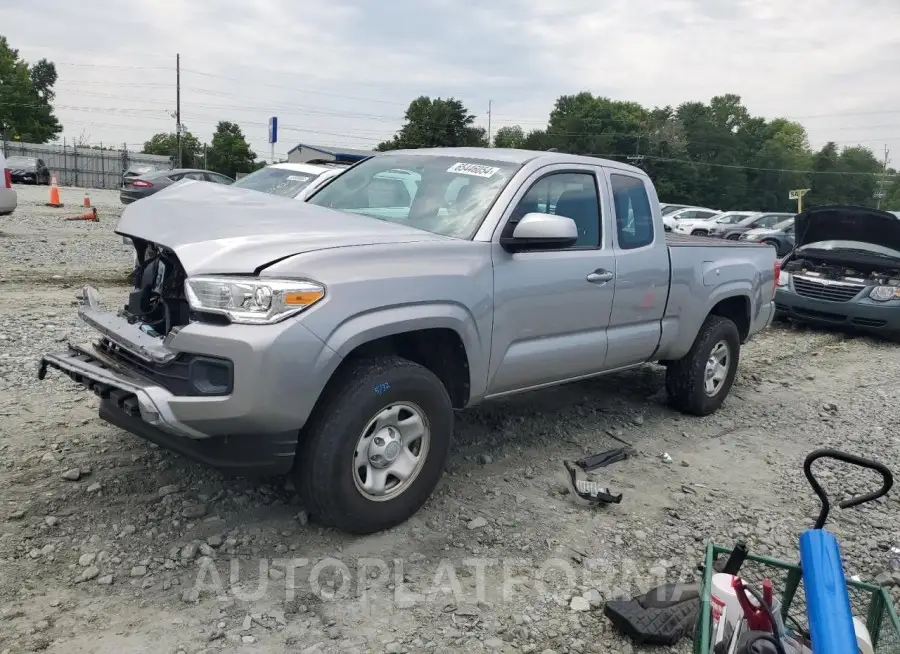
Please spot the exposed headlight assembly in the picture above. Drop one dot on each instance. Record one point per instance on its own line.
(252, 300)
(885, 293)
(784, 279)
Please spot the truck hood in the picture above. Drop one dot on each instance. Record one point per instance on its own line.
(214, 228)
(847, 223)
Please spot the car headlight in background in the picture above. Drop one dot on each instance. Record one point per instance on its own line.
(885, 293)
(784, 279)
(252, 300)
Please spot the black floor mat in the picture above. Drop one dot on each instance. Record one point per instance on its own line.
(662, 616)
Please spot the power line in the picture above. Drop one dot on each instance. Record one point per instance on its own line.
(496, 117)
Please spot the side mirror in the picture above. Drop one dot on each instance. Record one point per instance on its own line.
(541, 231)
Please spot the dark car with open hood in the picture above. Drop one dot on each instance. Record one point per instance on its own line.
(844, 270)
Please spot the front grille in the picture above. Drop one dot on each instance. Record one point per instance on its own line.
(185, 375)
(830, 291)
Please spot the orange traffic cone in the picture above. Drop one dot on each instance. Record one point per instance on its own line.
(54, 193)
(87, 201)
(89, 214)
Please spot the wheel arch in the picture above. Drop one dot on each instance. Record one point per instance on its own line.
(441, 337)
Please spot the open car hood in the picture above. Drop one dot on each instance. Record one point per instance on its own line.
(213, 228)
(847, 223)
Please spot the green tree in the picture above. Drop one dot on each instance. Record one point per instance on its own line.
(166, 144)
(434, 123)
(26, 110)
(585, 124)
(784, 148)
(510, 136)
(891, 200)
(824, 182)
(859, 181)
(229, 153)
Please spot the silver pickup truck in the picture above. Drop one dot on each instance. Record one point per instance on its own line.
(333, 339)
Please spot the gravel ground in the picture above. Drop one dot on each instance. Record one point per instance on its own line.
(111, 545)
(38, 244)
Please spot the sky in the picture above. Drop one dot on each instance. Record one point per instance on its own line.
(342, 72)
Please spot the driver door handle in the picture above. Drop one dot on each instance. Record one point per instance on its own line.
(600, 276)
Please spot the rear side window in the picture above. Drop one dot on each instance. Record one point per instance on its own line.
(634, 218)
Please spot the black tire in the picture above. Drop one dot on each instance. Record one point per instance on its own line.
(698, 232)
(685, 377)
(323, 469)
(733, 237)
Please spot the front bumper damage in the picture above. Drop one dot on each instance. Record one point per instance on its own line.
(239, 432)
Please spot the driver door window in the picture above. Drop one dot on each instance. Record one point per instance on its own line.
(573, 195)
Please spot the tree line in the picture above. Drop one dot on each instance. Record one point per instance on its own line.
(713, 154)
(227, 153)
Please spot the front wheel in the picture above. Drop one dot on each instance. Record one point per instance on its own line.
(698, 232)
(699, 382)
(376, 447)
(733, 237)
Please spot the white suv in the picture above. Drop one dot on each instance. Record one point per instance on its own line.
(709, 225)
(688, 213)
(8, 197)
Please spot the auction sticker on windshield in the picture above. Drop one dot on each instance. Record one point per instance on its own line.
(478, 170)
(298, 178)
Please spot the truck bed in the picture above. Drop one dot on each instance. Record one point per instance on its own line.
(685, 240)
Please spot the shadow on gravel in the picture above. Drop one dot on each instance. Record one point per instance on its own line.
(67, 279)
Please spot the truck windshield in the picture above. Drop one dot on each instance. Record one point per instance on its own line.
(437, 193)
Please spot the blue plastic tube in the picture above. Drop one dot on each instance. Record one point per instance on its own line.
(827, 600)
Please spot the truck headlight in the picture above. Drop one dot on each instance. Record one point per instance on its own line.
(784, 278)
(252, 300)
(885, 293)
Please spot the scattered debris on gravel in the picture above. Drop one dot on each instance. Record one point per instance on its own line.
(109, 544)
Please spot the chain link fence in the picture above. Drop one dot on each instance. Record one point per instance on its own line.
(85, 166)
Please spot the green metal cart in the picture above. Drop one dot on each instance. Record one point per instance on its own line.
(870, 603)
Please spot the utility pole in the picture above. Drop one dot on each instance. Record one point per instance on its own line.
(880, 193)
(490, 107)
(178, 109)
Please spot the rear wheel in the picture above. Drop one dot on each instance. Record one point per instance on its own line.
(376, 447)
(698, 232)
(732, 237)
(699, 382)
